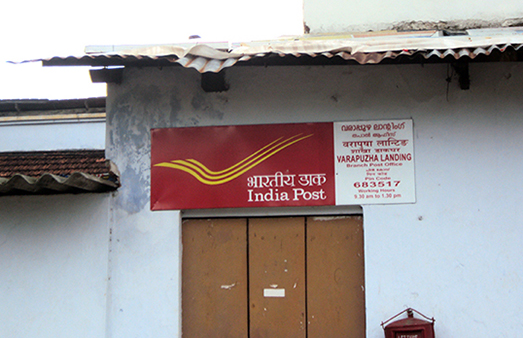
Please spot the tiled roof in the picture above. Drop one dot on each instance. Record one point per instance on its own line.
(52, 162)
(47, 172)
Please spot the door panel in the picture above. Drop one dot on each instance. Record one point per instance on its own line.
(335, 294)
(214, 283)
(277, 268)
(273, 277)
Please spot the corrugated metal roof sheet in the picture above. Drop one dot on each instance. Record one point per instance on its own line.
(54, 172)
(361, 48)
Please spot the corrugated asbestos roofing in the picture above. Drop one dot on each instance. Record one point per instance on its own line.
(54, 172)
(361, 48)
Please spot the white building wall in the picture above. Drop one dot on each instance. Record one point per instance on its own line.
(455, 254)
(360, 16)
(52, 135)
(53, 265)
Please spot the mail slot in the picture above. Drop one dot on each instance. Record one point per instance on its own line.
(409, 327)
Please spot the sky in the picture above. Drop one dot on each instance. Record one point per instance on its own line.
(34, 29)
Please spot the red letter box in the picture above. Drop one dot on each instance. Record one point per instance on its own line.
(409, 327)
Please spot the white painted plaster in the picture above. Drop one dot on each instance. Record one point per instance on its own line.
(53, 265)
(360, 16)
(52, 136)
(145, 275)
(455, 254)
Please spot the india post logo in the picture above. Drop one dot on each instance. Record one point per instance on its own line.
(242, 166)
(209, 177)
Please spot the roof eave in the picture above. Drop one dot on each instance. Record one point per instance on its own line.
(509, 54)
(49, 184)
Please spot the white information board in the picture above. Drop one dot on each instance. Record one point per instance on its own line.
(374, 162)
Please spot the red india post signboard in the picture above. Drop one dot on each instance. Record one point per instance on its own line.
(242, 166)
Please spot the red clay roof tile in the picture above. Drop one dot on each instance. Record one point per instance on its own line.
(63, 162)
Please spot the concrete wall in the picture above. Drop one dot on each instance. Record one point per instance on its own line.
(30, 136)
(343, 15)
(455, 254)
(53, 265)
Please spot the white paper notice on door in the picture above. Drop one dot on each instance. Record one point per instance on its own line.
(273, 292)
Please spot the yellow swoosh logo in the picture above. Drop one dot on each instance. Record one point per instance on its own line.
(209, 177)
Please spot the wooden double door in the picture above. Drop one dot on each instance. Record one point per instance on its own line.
(273, 277)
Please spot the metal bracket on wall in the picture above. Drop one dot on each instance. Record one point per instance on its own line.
(462, 69)
(107, 75)
(214, 82)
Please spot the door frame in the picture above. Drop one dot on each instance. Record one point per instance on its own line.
(332, 211)
(273, 212)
